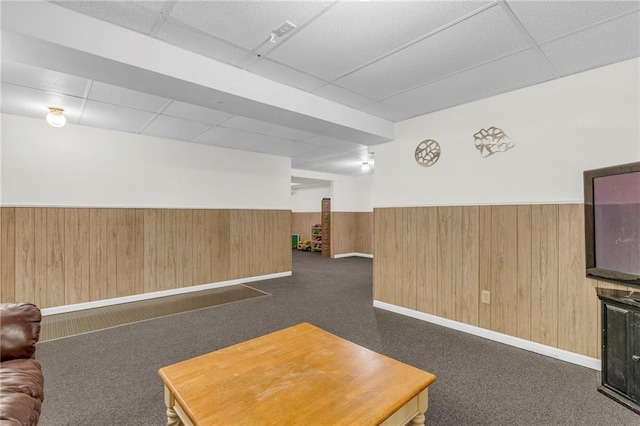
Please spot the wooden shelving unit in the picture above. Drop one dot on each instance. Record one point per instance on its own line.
(326, 226)
(316, 238)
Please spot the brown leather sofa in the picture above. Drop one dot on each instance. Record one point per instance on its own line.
(21, 380)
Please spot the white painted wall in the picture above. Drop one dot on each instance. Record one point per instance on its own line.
(560, 128)
(309, 200)
(348, 193)
(84, 166)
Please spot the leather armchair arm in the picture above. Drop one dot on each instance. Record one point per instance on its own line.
(19, 330)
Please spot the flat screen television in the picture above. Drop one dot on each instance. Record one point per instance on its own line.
(612, 223)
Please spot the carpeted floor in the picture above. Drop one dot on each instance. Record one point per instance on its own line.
(110, 377)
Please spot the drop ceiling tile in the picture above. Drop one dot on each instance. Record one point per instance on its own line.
(192, 39)
(269, 145)
(221, 136)
(249, 125)
(121, 13)
(483, 37)
(382, 110)
(195, 113)
(19, 100)
(125, 97)
(516, 71)
(352, 33)
(107, 116)
(285, 75)
(230, 20)
(43, 79)
(342, 96)
(154, 5)
(336, 144)
(174, 128)
(289, 133)
(546, 20)
(607, 43)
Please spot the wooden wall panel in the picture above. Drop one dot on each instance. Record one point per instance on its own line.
(76, 255)
(184, 248)
(427, 254)
(529, 257)
(544, 282)
(523, 317)
(577, 308)
(150, 274)
(25, 259)
(343, 233)
(283, 246)
(484, 264)
(503, 276)
(55, 258)
(301, 223)
(40, 235)
(364, 233)
(58, 256)
(466, 300)
(167, 249)
(408, 249)
(218, 225)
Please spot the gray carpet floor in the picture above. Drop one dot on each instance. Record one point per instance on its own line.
(109, 377)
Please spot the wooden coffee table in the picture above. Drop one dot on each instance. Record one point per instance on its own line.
(301, 375)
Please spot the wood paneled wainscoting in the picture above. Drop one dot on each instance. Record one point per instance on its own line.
(439, 260)
(60, 256)
(351, 232)
(302, 222)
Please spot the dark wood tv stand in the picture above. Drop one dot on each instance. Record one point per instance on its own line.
(621, 346)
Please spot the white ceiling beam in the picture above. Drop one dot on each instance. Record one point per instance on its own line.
(49, 36)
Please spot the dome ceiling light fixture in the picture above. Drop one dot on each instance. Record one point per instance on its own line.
(56, 117)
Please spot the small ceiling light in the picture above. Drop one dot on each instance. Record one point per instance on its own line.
(365, 166)
(56, 117)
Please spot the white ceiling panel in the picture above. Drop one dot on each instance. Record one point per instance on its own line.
(289, 133)
(122, 13)
(249, 125)
(382, 110)
(337, 144)
(43, 79)
(612, 41)
(192, 39)
(154, 5)
(174, 128)
(130, 98)
(269, 145)
(286, 75)
(483, 37)
(524, 69)
(342, 96)
(546, 20)
(221, 18)
(29, 102)
(222, 136)
(352, 33)
(107, 116)
(195, 113)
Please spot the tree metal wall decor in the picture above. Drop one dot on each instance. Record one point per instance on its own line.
(427, 152)
(492, 140)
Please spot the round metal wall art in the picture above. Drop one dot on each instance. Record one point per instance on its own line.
(427, 152)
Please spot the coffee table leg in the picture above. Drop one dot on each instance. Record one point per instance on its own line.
(172, 416)
(423, 404)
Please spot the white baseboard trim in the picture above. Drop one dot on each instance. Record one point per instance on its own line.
(155, 294)
(338, 256)
(517, 342)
